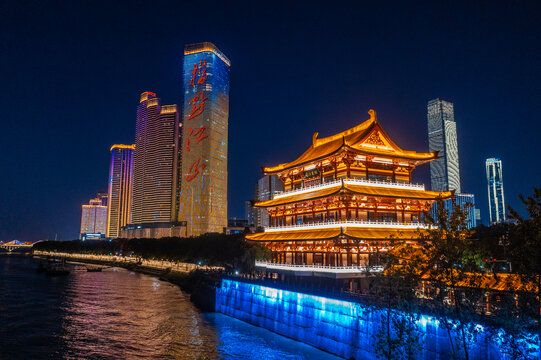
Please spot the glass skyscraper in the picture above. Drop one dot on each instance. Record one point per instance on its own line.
(203, 200)
(120, 189)
(156, 161)
(442, 137)
(466, 202)
(496, 199)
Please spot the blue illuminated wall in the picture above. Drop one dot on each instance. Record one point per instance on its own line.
(340, 327)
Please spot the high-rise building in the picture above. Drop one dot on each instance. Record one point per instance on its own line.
(156, 162)
(104, 196)
(203, 203)
(466, 202)
(249, 213)
(120, 189)
(496, 198)
(94, 218)
(478, 216)
(442, 137)
(267, 187)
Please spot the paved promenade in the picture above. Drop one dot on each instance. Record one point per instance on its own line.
(125, 261)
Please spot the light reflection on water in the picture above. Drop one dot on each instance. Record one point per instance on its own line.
(117, 314)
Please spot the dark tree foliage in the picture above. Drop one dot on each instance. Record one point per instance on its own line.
(522, 244)
(231, 251)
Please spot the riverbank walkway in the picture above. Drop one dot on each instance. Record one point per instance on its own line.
(127, 261)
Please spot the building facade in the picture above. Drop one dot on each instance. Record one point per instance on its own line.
(203, 200)
(442, 137)
(249, 213)
(267, 187)
(496, 198)
(94, 218)
(120, 189)
(156, 162)
(344, 199)
(466, 202)
(154, 230)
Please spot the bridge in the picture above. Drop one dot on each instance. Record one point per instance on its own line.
(15, 245)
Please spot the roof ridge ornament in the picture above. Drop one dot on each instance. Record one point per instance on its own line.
(373, 115)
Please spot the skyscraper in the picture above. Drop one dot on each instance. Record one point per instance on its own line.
(442, 137)
(266, 188)
(496, 199)
(203, 203)
(94, 218)
(466, 202)
(120, 188)
(249, 213)
(156, 162)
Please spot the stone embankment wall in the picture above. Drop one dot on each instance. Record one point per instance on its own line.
(344, 328)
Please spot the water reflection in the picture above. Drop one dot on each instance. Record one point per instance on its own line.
(117, 314)
(122, 314)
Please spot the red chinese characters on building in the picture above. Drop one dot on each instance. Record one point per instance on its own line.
(201, 71)
(199, 135)
(194, 169)
(198, 105)
(199, 77)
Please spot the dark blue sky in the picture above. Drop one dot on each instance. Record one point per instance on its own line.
(71, 74)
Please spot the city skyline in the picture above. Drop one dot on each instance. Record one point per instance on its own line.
(279, 90)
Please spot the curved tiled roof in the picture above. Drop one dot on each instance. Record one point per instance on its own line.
(351, 139)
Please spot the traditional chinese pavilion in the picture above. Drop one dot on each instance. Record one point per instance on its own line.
(345, 198)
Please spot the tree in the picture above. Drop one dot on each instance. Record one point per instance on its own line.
(399, 335)
(453, 270)
(521, 315)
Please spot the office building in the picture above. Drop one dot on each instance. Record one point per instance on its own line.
(466, 202)
(94, 218)
(104, 197)
(249, 213)
(442, 137)
(478, 220)
(156, 162)
(266, 188)
(120, 188)
(203, 202)
(496, 198)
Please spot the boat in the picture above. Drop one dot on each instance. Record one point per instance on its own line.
(56, 267)
(93, 269)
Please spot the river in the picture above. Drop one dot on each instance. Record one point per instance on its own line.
(118, 314)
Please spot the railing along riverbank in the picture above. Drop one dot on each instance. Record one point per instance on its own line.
(130, 261)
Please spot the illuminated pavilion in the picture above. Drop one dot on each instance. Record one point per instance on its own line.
(345, 198)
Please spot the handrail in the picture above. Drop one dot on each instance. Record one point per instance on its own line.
(350, 223)
(377, 183)
(325, 268)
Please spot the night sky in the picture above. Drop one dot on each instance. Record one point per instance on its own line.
(71, 74)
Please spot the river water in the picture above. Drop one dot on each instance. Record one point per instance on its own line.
(118, 314)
